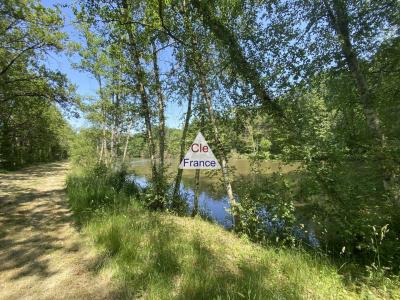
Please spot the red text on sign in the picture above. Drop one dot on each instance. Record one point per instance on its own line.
(199, 148)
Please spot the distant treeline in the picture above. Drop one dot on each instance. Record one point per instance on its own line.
(32, 129)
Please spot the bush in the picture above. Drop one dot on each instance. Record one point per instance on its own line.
(266, 210)
(98, 188)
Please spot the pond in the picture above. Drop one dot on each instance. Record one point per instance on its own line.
(212, 199)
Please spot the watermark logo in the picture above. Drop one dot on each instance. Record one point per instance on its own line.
(199, 156)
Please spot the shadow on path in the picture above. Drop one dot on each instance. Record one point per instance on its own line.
(41, 254)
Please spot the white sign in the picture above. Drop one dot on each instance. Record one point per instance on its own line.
(199, 156)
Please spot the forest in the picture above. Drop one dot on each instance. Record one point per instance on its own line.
(297, 99)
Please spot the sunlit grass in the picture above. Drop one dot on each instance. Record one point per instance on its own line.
(157, 255)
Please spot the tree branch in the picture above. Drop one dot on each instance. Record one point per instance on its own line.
(5, 69)
(167, 30)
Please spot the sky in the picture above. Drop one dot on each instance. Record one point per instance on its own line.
(85, 84)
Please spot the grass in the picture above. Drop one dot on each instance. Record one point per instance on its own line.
(88, 192)
(161, 256)
(156, 255)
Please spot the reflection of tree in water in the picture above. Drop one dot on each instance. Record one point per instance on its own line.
(211, 180)
(212, 192)
(209, 184)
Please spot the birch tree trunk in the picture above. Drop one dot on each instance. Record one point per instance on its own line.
(161, 109)
(127, 141)
(146, 113)
(112, 144)
(197, 175)
(338, 16)
(103, 151)
(103, 144)
(196, 193)
(199, 69)
(237, 57)
(115, 126)
(183, 141)
(140, 88)
(217, 139)
(339, 19)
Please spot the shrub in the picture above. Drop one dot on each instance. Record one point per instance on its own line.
(98, 188)
(266, 210)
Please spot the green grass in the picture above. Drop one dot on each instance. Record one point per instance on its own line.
(156, 255)
(160, 256)
(89, 192)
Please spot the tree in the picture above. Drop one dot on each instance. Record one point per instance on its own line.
(29, 90)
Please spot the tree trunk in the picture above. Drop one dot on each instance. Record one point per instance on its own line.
(236, 55)
(218, 142)
(140, 89)
(196, 193)
(199, 69)
(103, 151)
(127, 141)
(146, 113)
(140, 75)
(103, 140)
(114, 127)
(197, 174)
(183, 141)
(125, 148)
(339, 19)
(112, 144)
(161, 108)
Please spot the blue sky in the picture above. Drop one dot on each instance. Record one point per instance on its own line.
(85, 83)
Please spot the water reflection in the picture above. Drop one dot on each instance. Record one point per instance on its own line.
(213, 201)
(210, 180)
(215, 209)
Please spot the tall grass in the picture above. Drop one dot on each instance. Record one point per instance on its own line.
(155, 255)
(98, 189)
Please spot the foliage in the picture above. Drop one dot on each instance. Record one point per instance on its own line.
(266, 210)
(340, 179)
(31, 127)
(114, 214)
(33, 132)
(83, 148)
(283, 87)
(310, 83)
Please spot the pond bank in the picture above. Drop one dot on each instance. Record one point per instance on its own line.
(156, 255)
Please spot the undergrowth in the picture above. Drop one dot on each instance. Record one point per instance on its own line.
(156, 255)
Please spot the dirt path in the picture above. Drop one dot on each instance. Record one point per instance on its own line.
(42, 255)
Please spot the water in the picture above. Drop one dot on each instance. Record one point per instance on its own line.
(214, 208)
(213, 201)
(210, 180)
